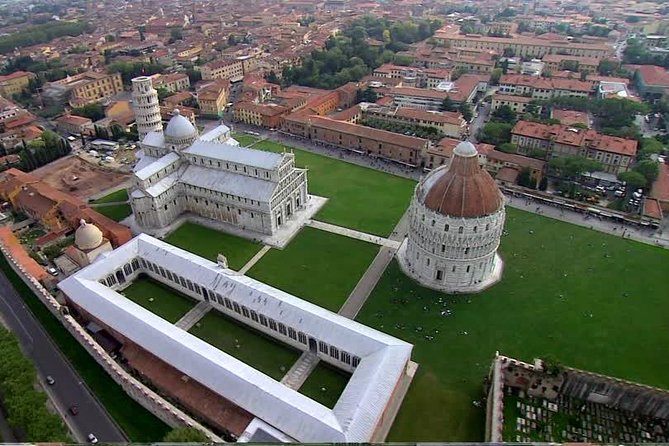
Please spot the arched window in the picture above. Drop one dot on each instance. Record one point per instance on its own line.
(461, 230)
(323, 347)
(334, 352)
(127, 269)
(302, 338)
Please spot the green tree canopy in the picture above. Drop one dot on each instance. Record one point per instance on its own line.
(185, 435)
(504, 113)
(649, 169)
(466, 111)
(495, 133)
(94, 111)
(573, 166)
(633, 179)
(447, 105)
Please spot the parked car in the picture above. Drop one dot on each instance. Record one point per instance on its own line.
(50, 381)
(92, 439)
(53, 271)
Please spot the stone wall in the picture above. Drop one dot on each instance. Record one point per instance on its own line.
(150, 400)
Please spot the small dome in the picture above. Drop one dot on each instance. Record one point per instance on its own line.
(462, 189)
(179, 128)
(87, 236)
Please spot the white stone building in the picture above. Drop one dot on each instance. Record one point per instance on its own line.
(146, 107)
(456, 219)
(211, 176)
(89, 243)
(380, 364)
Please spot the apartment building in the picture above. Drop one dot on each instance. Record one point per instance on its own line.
(267, 116)
(230, 69)
(615, 154)
(518, 104)
(526, 47)
(173, 82)
(404, 149)
(651, 81)
(414, 76)
(213, 98)
(558, 62)
(543, 88)
(89, 87)
(14, 83)
(450, 123)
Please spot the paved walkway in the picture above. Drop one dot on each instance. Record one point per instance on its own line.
(300, 371)
(194, 315)
(368, 281)
(354, 234)
(255, 259)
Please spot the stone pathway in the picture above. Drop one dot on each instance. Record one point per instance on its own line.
(352, 233)
(254, 259)
(368, 281)
(193, 316)
(300, 371)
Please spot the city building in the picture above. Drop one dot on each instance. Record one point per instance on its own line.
(15, 83)
(89, 243)
(228, 394)
(558, 62)
(450, 123)
(84, 88)
(268, 116)
(456, 219)
(213, 98)
(651, 81)
(518, 104)
(172, 82)
(57, 211)
(615, 154)
(543, 88)
(212, 177)
(230, 69)
(74, 125)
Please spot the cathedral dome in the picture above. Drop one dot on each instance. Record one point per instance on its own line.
(87, 236)
(179, 129)
(463, 189)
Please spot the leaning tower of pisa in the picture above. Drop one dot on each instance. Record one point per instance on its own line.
(145, 105)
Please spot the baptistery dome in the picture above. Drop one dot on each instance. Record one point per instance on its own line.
(87, 236)
(456, 219)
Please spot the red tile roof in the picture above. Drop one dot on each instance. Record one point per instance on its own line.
(653, 75)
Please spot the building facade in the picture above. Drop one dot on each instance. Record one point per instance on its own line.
(209, 176)
(14, 83)
(89, 87)
(456, 219)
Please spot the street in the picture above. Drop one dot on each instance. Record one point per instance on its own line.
(68, 389)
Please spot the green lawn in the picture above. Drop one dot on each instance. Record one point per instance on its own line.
(119, 195)
(359, 198)
(589, 300)
(115, 212)
(138, 423)
(208, 243)
(261, 352)
(317, 266)
(325, 377)
(244, 139)
(167, 303)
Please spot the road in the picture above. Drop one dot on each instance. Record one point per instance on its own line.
(69, 388)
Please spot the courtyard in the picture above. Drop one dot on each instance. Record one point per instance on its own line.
(158, 298)
(325, 384)
(208, 243)
(358, 197)
(567, 291)
(253, 348)
(317, 266)
(116, 212)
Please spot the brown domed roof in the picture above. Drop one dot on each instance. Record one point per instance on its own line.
(462, 189)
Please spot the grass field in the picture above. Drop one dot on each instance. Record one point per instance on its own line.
(119, 195)
(317, 266)
(359, 198)
(244, 139)
(325, 377)
(167, 303)
(138, 424)
(589, 300)
(255, 349)
(115, 212)
(208, 243)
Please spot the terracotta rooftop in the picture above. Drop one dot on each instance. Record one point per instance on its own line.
(660, 189)
(654, 75)
(12, 244)
(570, 117)
(463, 189)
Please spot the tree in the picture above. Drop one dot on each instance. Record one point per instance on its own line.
(162, 93)
(94, 112)
(185, 435)
(466, 111)
(632, 179)
(447, 105)
(607, 67)
(573, 166)
(495, 133)
(508, 147)
(175, 34)
(649, 169)
(525, 177)
(649, 146)
(495, 76)
(272, 77)
(504, 113)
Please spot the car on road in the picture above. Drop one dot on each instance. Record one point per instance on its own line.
(74, 410)
(92, 439)
(50, 381)
(53, 271)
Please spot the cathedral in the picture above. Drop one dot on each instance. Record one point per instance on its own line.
(209, 175)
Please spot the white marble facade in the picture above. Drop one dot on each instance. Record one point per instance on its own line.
(211, 176)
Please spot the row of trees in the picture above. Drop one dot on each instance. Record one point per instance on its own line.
(25, 406)
(636, 53)
(42, 33)
(350, 56)
(43, 150)
(421, 131)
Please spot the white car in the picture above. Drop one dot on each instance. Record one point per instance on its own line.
(92, 439)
